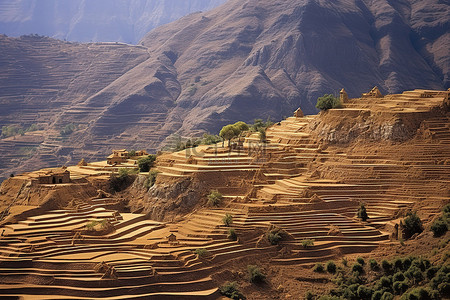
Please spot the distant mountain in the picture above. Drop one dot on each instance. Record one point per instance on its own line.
(243, 60)
(94, 21)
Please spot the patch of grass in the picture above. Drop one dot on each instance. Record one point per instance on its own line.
(201, 252)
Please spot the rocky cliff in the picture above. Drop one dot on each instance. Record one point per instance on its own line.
(243, 60)
(94, 21)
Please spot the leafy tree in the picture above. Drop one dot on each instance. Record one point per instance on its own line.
(145, 163)
(328, 101)
(412, 224)
(228, 132)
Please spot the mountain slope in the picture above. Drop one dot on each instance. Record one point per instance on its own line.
(245, 60)
(98, 21)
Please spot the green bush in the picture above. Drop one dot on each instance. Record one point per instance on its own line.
(414, 274)
(377, 295)
(201, 252)
(328, 101)
(362, 212)
(227, 220)
(387, 296)
(387, 266)
(309, 296)
(151, 178)
(231, 290)
(331, 267)
(357, 268)
(307, 243)
(373, 264)
(364, 292)
(385, 282)
(122, 180)
(432, 271)
(439, 227)
(146, 163)
(400, 287)
(421, 293)
(360, 261)
(232, 234)
(344, 262)
(398, 277)
(274, 238)
(318, 268)
(255, 274)
(68, 129)
(215, 198)
(412, 224)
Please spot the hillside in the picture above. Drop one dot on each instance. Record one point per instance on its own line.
(240, 61)
(94, 21)
(291, 203)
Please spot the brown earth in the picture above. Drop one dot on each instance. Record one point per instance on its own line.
(301, 184)
(243, 60)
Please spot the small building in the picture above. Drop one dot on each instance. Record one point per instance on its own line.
(374, 93)
(141, 153)
(53, 176)
(117, 157)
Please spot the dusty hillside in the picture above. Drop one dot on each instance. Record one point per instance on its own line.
(94, 21)
(243, 60)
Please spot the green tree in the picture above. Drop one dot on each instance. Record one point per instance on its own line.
(362, 212)
(145, 163)
(228, 132)
(328, 101)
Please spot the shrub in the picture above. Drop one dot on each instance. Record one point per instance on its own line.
(412, 224)
(362, 212)
(415, 274)
(131, 153)
(232, 234)
(439, 227)
(201, 252)
(255, 274)
(377, 295)
(373, 264)
(431, 272)
(68, 129)
(231, 290)
(364, 292)
(318, 268)
(151, 178)
(344, 261)
(274, 237)
(309, 296)
(146, 163)
(357, 268)
(420, 293)
(360, 261)
(387, 266)
(215, 198)
(121, 180)
(331, 267)
(387, 296)
(227, 220)
(400, 287)
(385, 282)
(398, 277)
(328, 101)
(307, 243)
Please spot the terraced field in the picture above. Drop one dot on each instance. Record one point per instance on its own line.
(297, 183)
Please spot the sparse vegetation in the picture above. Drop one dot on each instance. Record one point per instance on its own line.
(201, 252)
(131, 153)
(328, 101)
(318, 268)
(215, 198)
(12, 130)
(231, 290)
(227, 220)
(68, 129)
(122, 179)
(307, 243)
(146, 163)
(232, 235)
(151, 178)
(90, 226)
(360, 261)
(362, 212)
(255, 274)
(274, 237)
(373, 264)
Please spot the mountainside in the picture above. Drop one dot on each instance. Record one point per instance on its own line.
(94, 21)
(241, 61)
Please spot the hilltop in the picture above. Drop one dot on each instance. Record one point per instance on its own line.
(284, 205)
(242, 60)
